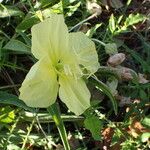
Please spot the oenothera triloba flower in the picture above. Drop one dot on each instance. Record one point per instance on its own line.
(63, 59)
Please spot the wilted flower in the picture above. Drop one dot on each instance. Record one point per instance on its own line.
(94, 8)
(63, 58)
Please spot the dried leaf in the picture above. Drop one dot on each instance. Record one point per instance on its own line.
(73, 142)
(142, 79)
(107, 134)
(136, 129)
(124, 101)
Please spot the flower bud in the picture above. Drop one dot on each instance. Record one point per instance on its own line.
(116, 59)
(126, 74)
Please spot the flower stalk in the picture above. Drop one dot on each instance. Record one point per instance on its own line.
(55, 113)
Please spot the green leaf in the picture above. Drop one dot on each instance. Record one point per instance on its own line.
(112, 84)
(7, 114)
(13, 146)
(145, 137)
(72, 9)
(112, 24)
(146, 121)
(11, 99)
(111, 48)
(92, 30)
(25, 37)
(143, 94)
(1, 45)
(45, 3)
(28, 22)
(138, 58)
(103, 87)
(93, 124)
(8, 11)
(134, 19)
(16, 45)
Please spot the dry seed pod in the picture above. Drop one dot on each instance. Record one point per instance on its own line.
(124, 101)
(142, 79)
(116, 59)
(94, 8)
(126, 74)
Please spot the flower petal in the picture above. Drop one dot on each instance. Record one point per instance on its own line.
(85, 51)
(40, 87)
(50, 37)
(74, 93)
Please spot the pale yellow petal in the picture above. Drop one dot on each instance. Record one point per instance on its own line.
(74, 93)
(84, 50)
(50, 37)
(40, 87)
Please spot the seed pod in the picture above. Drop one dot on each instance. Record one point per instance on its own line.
(116, 59)
(126, 74)
(94, 8)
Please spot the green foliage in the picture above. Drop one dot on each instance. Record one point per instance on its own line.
(11, 99)
(116, 27)
(18, 46)
(111, 48)
(9, 11)
(7, 114)
(145, 137)
(134, 19)
(93, 124)
(122, 27)
(28, 22)
(112, 24)
(146, 121)
(102, 87)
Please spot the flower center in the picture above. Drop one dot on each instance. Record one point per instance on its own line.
(59, 67)
(62, 68)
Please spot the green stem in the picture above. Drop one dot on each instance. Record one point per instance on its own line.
(83, 21)
(98, 41)
(54, 111)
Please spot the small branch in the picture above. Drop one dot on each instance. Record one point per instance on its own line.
(46, 137)
(9, 86)
(29, 130)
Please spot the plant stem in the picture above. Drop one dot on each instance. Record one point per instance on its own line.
(54, 111)
(28, 133)
(107, 91)
(83, 21)
(98, 41)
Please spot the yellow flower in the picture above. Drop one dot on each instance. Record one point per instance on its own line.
(62, 60)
